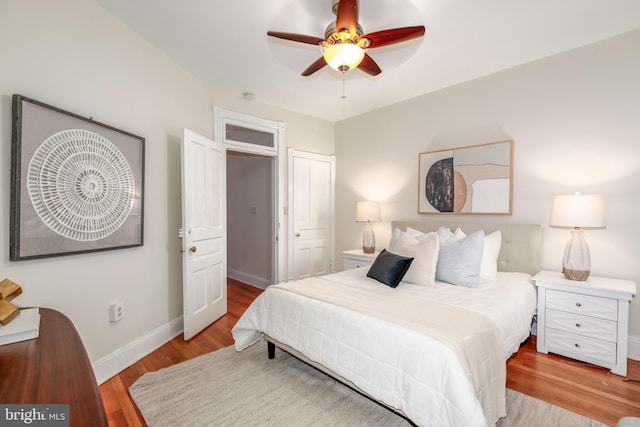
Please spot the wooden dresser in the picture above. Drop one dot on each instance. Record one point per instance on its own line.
(52, 369)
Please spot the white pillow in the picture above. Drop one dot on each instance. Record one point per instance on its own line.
(419, 235)
(490, 253)
(394, 239)
(459, 233)
(425, 257)
(414, 233)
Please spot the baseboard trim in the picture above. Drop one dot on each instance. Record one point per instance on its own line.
(122, 358)
(250, 279)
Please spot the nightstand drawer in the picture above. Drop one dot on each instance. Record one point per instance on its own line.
(603, 308)
(601, 329)
(355, 263)
(356, 258)
(580, 347)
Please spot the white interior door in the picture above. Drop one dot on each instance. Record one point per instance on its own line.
(311, 213)
(204, 239)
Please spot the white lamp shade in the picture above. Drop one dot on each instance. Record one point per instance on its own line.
(578, 211)
(368, 212)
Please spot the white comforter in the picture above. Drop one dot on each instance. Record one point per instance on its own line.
(404, 368)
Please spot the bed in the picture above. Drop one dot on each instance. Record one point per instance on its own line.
(435, 353)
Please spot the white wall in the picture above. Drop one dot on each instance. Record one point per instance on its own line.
(575, 120)
(76, 56)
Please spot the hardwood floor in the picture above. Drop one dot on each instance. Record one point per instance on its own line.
(120, 409)
(577, 386)
(580, 387)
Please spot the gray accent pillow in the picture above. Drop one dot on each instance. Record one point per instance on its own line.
(389, 268)
(459, 259)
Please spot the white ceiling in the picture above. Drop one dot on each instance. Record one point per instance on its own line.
(225, 44)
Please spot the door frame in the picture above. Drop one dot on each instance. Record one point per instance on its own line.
(221, 118)
(331, 159)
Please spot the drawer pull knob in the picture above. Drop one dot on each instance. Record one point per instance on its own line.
(578, 325)
(578, 304)
(577, 345)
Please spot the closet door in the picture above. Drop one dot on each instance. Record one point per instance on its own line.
(312, 213)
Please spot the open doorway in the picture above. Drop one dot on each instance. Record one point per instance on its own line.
(255, 185)
(251, 256)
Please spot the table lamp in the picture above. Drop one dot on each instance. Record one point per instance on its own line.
(577, 211)
(368, 212)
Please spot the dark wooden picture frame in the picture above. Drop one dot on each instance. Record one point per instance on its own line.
(77, 185)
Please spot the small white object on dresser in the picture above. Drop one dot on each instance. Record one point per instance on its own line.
(585, 320)
(356, 258)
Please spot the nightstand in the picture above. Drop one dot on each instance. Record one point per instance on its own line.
(586, 320)
(356, 258)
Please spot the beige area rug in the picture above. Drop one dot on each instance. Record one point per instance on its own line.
(226, 388)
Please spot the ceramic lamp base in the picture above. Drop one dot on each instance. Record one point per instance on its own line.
(576, 274)
(576, 263)
(368, 240)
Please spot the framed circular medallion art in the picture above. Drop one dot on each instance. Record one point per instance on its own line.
(77, 185)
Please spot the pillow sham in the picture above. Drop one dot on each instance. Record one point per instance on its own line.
(416, 234)
(389, 268)
(425, 258)
(459, 259)
(394, 239)
(490, 253)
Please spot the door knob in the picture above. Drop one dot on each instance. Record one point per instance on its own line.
(297, 234)
(192, 249)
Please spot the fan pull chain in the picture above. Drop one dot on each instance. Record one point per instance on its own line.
(344, 91)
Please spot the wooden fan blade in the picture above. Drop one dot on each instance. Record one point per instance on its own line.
(369, 66)
(296, 37)
(347, 16)
(396, 35)
(318, 64)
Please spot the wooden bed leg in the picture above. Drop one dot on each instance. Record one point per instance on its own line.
(271, 349)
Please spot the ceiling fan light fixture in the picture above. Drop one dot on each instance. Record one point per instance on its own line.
(343, 56)
(345, 44)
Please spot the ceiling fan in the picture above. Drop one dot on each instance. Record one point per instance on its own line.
(344, 44)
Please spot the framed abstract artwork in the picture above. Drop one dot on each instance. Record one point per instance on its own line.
(476, 179)
(76, 185)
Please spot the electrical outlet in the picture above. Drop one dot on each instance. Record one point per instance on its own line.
(116, 312)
